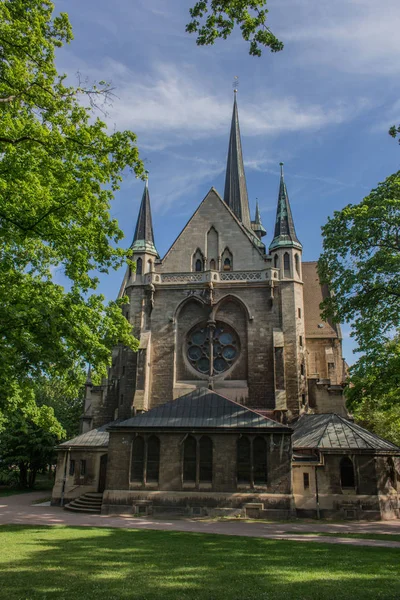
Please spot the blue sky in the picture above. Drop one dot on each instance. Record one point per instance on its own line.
(322, 106)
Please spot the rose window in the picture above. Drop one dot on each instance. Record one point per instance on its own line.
(212, 345)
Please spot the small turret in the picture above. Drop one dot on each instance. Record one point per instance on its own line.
(143, 239)
(257, 226)
(285, 233)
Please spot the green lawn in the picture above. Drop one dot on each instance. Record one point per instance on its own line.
(76, 563)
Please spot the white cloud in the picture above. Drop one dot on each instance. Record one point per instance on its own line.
(361, 36)
(171, 106)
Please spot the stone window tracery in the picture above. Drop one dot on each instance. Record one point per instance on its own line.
(198, 261)
(212, 348)
(227, 260)
(145, 465)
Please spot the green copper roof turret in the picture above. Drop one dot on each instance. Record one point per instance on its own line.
(285, 233)
(235, 194)
(143, 239)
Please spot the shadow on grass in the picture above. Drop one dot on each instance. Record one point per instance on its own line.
(57, 563)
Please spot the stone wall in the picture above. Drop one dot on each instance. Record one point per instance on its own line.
(224, 464)
(77, 484)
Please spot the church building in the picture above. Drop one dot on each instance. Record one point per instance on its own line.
(233, 403)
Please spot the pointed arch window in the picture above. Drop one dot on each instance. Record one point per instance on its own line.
(212, 264)
(243, 460)
(227, 260)
(190, 459)
(198, 261)
(347, 478)
(139, 266)
(153, 458)
(276, 261)
(297, 264)
(137, 465)
(149, 266)
(286, 264)
(260, 461)
(205, 459)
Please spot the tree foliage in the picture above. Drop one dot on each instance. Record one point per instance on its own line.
(361, 264)
(213, 19)
(65, 395)
(28, 441)
(59, 170)
(395, 131)
(374, 393)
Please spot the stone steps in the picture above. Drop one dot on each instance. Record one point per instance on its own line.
(88, 503)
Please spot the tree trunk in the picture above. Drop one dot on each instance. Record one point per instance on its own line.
(32, 477)
(23, 475)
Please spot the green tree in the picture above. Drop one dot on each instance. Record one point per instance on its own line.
(59, 170)
(65, 395)
(28, 441)
(374, 394)
(361, 264)
(213, 19)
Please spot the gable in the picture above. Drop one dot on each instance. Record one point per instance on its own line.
(213, 215)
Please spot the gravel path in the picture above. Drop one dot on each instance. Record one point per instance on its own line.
(20, 510)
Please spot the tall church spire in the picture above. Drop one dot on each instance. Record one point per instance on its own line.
(285, 233)
(143, 239)
(235, 194)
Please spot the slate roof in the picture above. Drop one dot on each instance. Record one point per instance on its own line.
(285, 234)
(333, 432)
(314, 294)
(95, 437)
(143, 239)
(202, 408)
(235, 193)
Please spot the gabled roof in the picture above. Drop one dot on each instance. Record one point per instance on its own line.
(285, 234)
(248, 233)
(201, 409)
(333, 432)
(235, 193)
(95, 437)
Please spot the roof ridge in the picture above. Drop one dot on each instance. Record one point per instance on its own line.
(329, 421)
(355, 427)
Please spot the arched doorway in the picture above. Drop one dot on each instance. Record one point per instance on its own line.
(103, 473)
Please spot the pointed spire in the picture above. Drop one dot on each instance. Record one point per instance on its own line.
(89, 377)
(143, 239)
(285, 233)
(257, 225)
(235, 194)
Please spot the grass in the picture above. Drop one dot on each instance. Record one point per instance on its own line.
(76, 563)
(42, 483)
(387, 537)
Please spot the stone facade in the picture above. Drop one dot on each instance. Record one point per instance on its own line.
(221, 312)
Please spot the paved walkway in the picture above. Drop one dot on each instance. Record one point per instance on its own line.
(19, 510)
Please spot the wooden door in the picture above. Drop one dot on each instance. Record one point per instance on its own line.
(103, 473)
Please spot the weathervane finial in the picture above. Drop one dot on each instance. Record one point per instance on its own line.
(235, 84)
